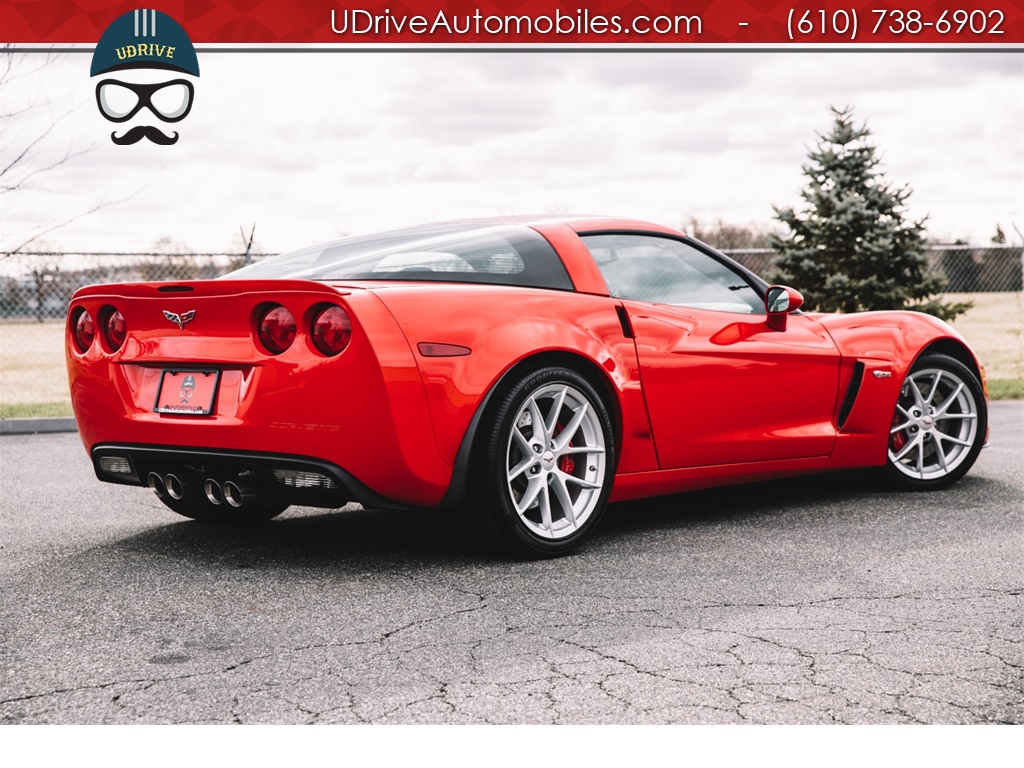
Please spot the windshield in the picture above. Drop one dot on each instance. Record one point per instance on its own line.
(501, 255)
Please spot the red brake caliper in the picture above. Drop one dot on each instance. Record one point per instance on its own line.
(898, 439)
(566, 464)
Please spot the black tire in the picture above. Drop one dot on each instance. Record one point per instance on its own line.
(567, 475)
(944, 419)
(203, 511)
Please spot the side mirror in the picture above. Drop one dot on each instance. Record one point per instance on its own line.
(779, 301)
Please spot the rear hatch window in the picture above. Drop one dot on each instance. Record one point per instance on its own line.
(500, 255)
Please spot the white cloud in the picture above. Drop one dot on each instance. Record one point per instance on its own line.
(312, 145)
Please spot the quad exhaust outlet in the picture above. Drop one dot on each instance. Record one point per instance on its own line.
(234, 493)
(170, 486)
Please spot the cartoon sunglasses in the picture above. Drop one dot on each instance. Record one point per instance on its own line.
(120, 101)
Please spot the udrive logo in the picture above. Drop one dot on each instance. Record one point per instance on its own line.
(143, 47)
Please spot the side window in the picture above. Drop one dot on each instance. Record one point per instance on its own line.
(667, 271)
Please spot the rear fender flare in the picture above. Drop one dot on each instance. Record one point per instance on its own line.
(587, 368)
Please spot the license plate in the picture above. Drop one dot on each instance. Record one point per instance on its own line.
(187, 392)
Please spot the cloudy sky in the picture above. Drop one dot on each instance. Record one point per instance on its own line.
(311, 146)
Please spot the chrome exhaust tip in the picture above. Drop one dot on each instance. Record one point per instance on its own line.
(213, 491)
(154, 481)
(237, 493)
(175, 488)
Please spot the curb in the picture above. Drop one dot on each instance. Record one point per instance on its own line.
(37, 426)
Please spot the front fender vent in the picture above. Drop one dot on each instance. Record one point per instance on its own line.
(851, 394)
(627, 327)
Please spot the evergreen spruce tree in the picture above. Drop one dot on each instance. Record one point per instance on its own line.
(851, 249)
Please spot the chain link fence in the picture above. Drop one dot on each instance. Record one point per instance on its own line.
(35, 289)
(991, 278)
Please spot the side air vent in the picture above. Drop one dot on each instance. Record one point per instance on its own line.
(851, 394)
(627, 327)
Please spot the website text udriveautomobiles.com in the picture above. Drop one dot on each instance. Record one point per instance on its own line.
(444, 23)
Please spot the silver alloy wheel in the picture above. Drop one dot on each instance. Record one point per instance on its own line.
(935, 424)
(555, 461)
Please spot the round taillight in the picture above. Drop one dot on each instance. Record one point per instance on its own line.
(85, 331)
(332, 330)
(277, 329)
(115, 330)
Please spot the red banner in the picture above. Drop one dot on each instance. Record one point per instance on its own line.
(545, 22)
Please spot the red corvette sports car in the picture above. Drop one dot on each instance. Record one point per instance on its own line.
(524, 372)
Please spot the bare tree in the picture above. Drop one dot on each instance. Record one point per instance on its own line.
(30, 145)
(176, 262)
(725, 236)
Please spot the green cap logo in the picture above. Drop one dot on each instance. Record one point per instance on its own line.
(144, 39)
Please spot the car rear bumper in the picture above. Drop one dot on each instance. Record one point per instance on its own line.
(281, 478)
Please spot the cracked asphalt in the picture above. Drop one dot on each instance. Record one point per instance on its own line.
(804, 601)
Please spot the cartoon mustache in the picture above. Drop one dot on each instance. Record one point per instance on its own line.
(140, 132)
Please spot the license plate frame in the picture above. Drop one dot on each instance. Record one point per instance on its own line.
(171, 397)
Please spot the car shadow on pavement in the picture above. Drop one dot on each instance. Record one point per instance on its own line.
(792, 501)
(758, 500)
(310, 538)
(382, 539)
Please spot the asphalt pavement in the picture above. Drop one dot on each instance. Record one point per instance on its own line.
(815, 600)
